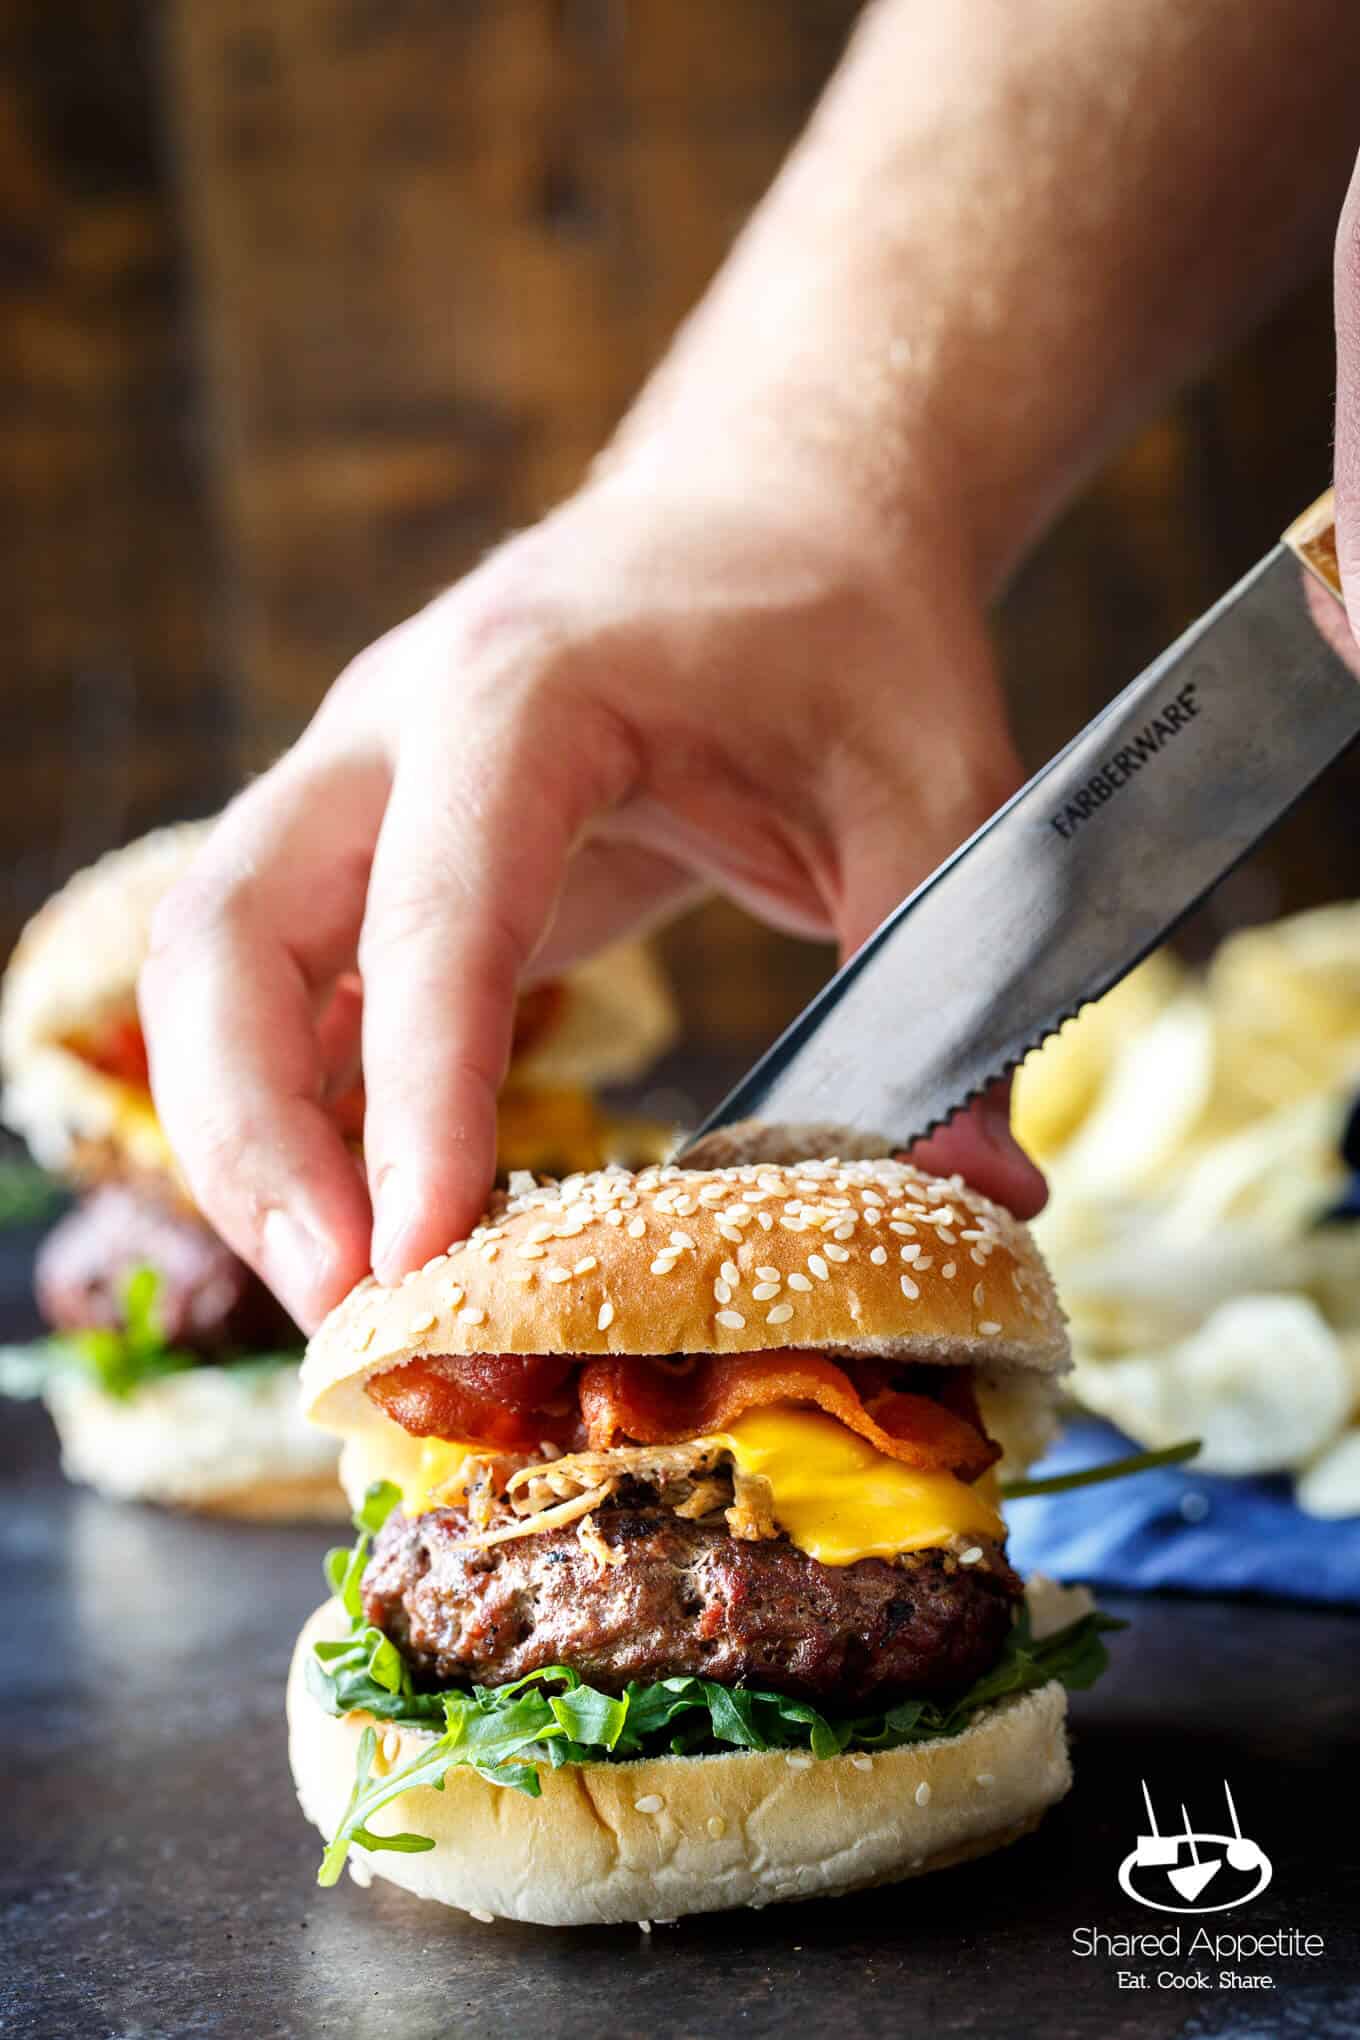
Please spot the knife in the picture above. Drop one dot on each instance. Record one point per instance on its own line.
(1075, 879)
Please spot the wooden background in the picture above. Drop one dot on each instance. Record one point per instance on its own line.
(305, 302)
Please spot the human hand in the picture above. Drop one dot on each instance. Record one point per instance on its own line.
(715, 679)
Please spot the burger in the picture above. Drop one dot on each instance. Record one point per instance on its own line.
(680, 1580)
(172, 1372)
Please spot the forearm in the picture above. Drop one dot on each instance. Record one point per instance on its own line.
(1010, 227)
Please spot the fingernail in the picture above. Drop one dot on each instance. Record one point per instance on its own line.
(297, 1263)
(394, 1213)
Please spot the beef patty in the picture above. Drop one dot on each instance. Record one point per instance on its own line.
(208, 1300)
(684, 1597)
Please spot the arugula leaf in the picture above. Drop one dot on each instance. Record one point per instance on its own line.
(1108, 1469)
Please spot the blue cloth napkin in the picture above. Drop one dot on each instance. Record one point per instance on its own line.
(1175, 1528)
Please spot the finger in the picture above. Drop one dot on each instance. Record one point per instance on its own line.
(469, 864)
(979, 1146)
(240, 954)
(1347, 287)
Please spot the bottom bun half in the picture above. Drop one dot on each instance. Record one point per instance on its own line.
(745, 1829)
(210, 1439)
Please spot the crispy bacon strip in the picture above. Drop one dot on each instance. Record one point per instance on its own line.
(514, 1402)
(507, 1402)
(625, 1400)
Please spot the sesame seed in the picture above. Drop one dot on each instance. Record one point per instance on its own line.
(763, 1291)
(605, 1318)
(949, 1270)
(819, 1267)
(845, 1230)
(613, 1217)
(732, 1319)
(636, 1227)
(779, 1314)
(898, 1225)
(909, 1289)
(878, 1255)
(722, 1291)
(490, 1251)
(873, 1216)
(793, 1224)
(584, 1267)
(798, 1280)
(835, 1253)
(862, 1761)
(767, 1275)
(976, 1254)
(425, 1323)
(682, 1240)
(985, 1779)
(923, 1794)
(911, 1253)
(730, 1232)
(717, 1826)
(798, 1760)
(764, 1220)
(971, 1556)
(650, 1802)
(730, 1273)
(487, 1919)
(538, 1233)
(437, 1262)
(663, 1264)
(557, 1273)
(926, 1261)
(522, 1277)
(533, 1253)
(989, 1328)
(472, 1314)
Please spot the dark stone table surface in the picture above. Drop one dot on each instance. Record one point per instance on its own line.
(156, 1877)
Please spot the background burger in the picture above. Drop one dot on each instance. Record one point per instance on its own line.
(680, 1581)
(173, 1377)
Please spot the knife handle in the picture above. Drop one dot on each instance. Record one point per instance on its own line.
(1312, 539)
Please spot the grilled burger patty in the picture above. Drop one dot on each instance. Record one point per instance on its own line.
(207, 1299)
(684, 1597)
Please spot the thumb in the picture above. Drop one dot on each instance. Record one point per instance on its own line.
(979, 1146)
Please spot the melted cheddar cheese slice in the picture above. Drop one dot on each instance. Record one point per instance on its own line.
(832, 1494)
(839, 1500)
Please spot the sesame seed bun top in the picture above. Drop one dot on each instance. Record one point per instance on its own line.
(843, 1257)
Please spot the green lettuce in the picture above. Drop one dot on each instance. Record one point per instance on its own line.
(505, 1733)
(118, 1359)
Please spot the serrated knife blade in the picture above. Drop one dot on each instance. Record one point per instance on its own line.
(1082, 873)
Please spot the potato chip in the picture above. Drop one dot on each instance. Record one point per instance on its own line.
(1056, 1086)
(1264, 1384)
(1156, 1089)
(1330, 1487)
